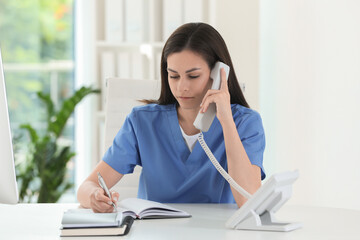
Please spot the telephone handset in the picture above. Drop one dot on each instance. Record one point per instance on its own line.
(203, 121)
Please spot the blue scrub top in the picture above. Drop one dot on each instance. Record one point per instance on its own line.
(151, 137)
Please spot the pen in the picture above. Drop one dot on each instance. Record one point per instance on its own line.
(103, 186)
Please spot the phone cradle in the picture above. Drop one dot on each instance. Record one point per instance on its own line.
(265, 222)
(258, 212)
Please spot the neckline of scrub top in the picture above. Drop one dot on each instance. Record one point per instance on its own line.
(190, 140)
(189, 159)
(183, 150)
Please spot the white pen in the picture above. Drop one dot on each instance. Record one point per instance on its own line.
(103, 186)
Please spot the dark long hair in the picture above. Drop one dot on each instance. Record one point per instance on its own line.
(206, 41)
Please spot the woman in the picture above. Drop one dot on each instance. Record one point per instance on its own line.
(161, 137)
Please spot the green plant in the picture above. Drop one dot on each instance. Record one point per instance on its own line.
(43, 173)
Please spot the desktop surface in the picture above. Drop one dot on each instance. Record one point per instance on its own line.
(42, 221)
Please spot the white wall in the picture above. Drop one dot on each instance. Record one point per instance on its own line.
(310, 97)
(238, 23)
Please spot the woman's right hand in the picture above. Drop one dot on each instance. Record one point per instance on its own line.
(101, 203)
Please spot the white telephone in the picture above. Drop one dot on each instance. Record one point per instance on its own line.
(248, 216)
(203, 121)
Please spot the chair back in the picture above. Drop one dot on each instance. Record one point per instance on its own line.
(121, 96)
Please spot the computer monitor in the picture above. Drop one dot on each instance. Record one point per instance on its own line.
(8, 186)
(258, 213)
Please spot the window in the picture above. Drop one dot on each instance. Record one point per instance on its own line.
(37, 42)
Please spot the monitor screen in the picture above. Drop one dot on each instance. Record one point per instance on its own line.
(8, 186)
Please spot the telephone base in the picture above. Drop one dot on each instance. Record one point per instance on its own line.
(265, 222)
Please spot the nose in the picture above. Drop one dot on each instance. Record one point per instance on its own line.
(183, 84)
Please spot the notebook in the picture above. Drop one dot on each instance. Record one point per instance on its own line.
(83, 223)
(81, 217)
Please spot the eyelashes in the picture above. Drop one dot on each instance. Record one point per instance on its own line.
(192, 77)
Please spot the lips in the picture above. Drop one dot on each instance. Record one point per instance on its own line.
(185, 98)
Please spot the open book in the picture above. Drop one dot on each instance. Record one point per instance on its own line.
(84, 222)
(134, 207)
(140, 208)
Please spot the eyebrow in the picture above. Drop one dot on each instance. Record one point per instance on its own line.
(190, 70)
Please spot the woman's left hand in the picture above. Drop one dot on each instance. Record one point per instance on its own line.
(221, 98)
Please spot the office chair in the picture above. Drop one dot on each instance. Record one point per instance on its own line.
(121, 96)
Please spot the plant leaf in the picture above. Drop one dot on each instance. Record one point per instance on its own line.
(32, 132)
(49, 104)
(67, 109)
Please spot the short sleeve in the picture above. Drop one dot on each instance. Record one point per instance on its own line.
(123, 155)
(252, 136)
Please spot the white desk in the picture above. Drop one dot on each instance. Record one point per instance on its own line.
(42, 221)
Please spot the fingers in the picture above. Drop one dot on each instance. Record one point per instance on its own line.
(205, 102)
(224, 82)
(214, 96)
(102, 203)
(205, 105)
(208, 93)
(115, 196)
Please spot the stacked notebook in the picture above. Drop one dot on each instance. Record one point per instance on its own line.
(84, 222)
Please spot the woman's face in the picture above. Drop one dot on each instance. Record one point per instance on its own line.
(189, 78)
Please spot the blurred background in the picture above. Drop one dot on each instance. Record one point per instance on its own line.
(297, 61)
(37, 43)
